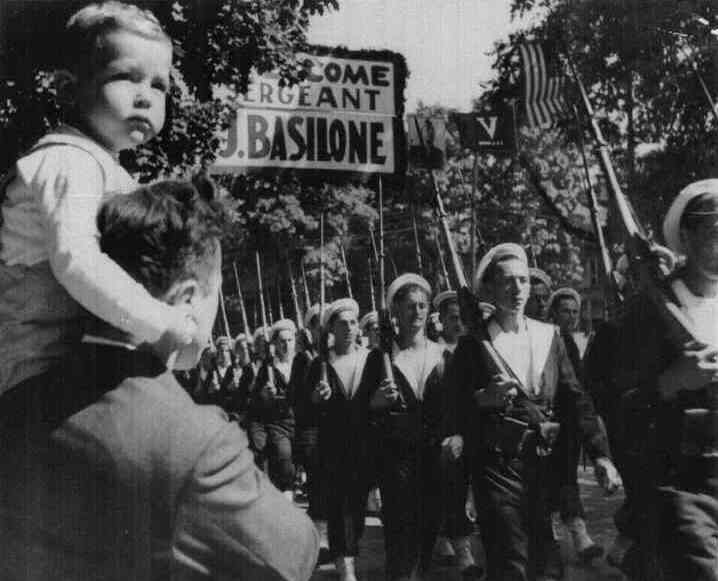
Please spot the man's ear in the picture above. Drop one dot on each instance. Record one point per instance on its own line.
(66, 85)
(184, 292)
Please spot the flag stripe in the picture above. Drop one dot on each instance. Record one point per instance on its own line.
(543, 94)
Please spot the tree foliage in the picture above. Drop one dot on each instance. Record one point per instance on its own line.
(638, 60)
(217, 43)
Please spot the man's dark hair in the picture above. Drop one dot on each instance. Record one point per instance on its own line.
(160, 234)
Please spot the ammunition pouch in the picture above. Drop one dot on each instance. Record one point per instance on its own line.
(507, 436)
(696, 467)
(699, 433)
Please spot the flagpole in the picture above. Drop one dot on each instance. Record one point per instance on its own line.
(473, 213)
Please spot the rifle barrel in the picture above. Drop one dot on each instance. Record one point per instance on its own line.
(346, 271)
(241, 299)
(265, 333)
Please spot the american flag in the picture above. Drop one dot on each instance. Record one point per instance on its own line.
(543, 87)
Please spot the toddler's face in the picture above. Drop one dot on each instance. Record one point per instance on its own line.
(123, 104)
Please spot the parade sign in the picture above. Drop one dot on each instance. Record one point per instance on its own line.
(342, 117)
(486, 131)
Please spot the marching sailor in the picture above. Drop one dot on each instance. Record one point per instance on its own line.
(271, 415)
(403, 455)
(673, 429)
(352, 372)
(509, 422)
(456, 527)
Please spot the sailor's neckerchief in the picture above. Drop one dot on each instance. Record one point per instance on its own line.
(417, 369)
(533, 336)
(355, 361)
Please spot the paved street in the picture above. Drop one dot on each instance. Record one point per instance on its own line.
(599, 509)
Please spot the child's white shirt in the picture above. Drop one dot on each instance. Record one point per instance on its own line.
(50, 214)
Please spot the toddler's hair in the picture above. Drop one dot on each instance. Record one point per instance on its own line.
(85, 47)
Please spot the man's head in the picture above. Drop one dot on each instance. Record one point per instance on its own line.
(537, 306)
(699, 232)
(224, 351)
(166, 237)
(409, 296)
(503, 274)
(116, 73)
(284, 336)
(369, 325)
(242, 350)
(565, 309)
(450, 316)
(341, 318)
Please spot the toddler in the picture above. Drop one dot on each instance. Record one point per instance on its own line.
(52, 272)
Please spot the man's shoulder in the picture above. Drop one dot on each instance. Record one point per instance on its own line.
(147, 420)
(160, 404)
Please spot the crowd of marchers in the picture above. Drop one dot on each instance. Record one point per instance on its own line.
(111, 469)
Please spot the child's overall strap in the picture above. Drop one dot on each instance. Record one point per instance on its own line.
(50, 140)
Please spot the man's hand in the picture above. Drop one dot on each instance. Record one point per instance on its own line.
(453, 446)
(269, 391)
(497, 394)
(470, 506)
(693, 370)
(386, 395)
(607, 475)
(322, 392)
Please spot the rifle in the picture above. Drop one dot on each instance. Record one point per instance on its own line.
(386, 332)
(295, 299)
(322, 347)
(241, 300)
(279, 298)
(468, 305)
(473, 318)
(645, 256)
(224, 312)
(644, 253)
(444, 271)
(417, 247)
(373, 244)
(371, 287)
(346, 271)
(307, 297)
(302, 332)
(608, 278)
(268, 355)
(269, 307)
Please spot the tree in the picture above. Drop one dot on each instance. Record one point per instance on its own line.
(637, 59)
(507, 204)
(218, 43)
